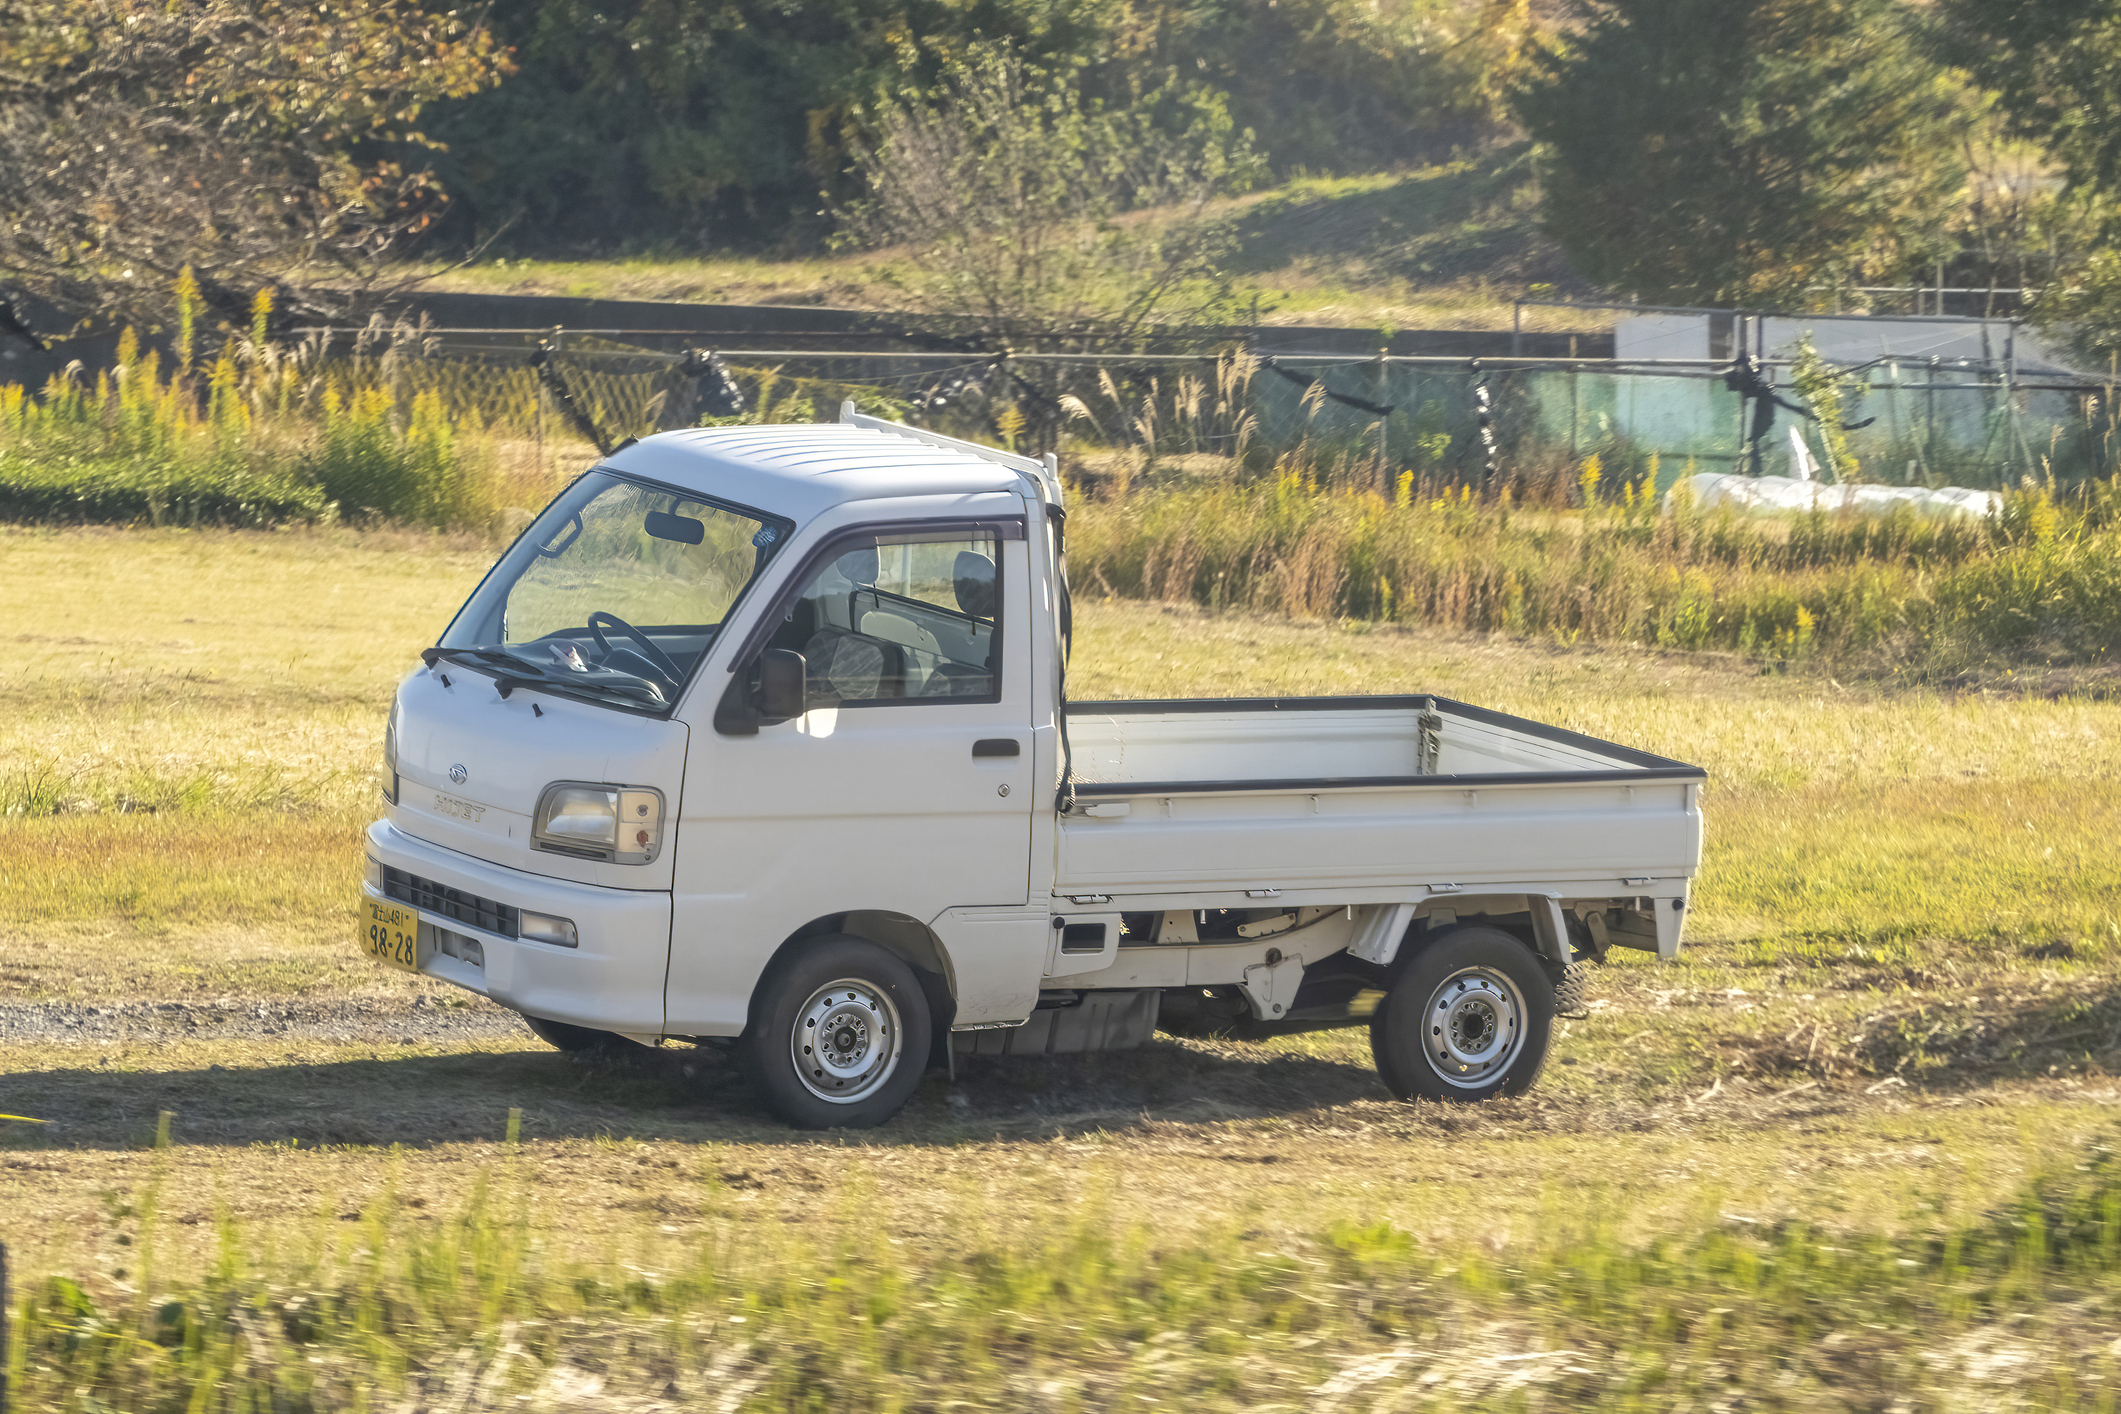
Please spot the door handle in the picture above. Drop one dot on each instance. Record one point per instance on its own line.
(996, 746)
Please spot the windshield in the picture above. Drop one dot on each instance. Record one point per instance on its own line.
(615, 592)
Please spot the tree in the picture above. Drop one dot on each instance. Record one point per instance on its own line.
(2055, 67)
(2055, 70)
(643, 124)
(1036, 212)
(257, 142)
(1701, 151)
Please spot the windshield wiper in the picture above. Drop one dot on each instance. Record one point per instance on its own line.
(511, 671)
(430, 656)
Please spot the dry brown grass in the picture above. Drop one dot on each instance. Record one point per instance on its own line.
(844, 283)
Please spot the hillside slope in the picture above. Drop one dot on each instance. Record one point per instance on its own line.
(1447, 246)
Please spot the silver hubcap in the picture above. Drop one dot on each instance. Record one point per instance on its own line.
(1473, 1028)
(846, 1041)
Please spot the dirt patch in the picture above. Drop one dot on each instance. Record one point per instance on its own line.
(1948, 1040)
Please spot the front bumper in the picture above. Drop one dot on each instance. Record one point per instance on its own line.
(612, 981)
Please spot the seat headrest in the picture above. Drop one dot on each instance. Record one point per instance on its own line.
(858, 566)
(974, 575)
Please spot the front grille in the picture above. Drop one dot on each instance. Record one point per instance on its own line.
(431, 897)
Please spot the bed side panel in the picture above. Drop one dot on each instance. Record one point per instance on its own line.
(1417, 835)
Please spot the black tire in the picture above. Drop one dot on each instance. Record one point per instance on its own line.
(566, 1036)
(1468, 1018)
(855, 1018)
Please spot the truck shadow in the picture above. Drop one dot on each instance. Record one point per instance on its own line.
(421, 1100)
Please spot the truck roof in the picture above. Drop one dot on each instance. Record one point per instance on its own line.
(801, 469)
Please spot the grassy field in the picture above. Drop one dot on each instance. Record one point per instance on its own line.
(1444, 247)
(1845, 1151)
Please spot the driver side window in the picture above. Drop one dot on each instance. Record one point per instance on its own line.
(914, 620)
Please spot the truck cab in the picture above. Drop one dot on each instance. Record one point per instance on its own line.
(759, 737)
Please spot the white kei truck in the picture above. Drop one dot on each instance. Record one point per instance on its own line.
(758, 737)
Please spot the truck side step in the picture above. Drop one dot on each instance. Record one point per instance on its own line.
(1102, 1021)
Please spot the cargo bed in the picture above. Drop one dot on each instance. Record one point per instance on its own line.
(1358, 800)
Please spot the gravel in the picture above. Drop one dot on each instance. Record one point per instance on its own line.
(395, 1019)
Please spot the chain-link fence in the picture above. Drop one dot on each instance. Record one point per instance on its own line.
(1477, 422)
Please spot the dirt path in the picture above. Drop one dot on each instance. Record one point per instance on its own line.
(407, 1020)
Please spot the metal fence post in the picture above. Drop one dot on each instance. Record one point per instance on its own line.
(1929, 431)
(1384, 389)
(1738, 338)
(1574, 415)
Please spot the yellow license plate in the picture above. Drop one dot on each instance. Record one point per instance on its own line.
(390, 933)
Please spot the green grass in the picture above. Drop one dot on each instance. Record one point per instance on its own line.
(1832, 872)
(458, 1302)
(61, 490)
(1449, 246)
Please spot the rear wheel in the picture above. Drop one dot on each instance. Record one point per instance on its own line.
(1470, 1018)
(567, 1036)
(838, 1035)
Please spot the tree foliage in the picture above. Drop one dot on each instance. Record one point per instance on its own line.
(1010, 193)
(1743, 154)
(2055, 71)
(2055, 68)
(233, 137)
(641, 123)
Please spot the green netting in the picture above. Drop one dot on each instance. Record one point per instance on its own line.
(1953, 427)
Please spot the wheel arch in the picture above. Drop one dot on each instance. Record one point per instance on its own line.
(910, 940)
(1536, 920)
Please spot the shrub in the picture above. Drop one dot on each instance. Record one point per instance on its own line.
(267, 436)
(63, 490)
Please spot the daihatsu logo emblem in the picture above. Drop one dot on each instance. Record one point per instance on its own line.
(458, 775)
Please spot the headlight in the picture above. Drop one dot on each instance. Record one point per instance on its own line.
(389, 776)
(620, 824)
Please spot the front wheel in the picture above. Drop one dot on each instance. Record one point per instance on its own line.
(1470, 1018)
(838, 1035)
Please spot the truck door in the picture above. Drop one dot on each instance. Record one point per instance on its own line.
(906, 787)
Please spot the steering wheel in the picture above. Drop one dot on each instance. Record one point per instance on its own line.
(649, 651)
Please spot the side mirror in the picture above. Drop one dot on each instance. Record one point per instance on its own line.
(784, 684)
